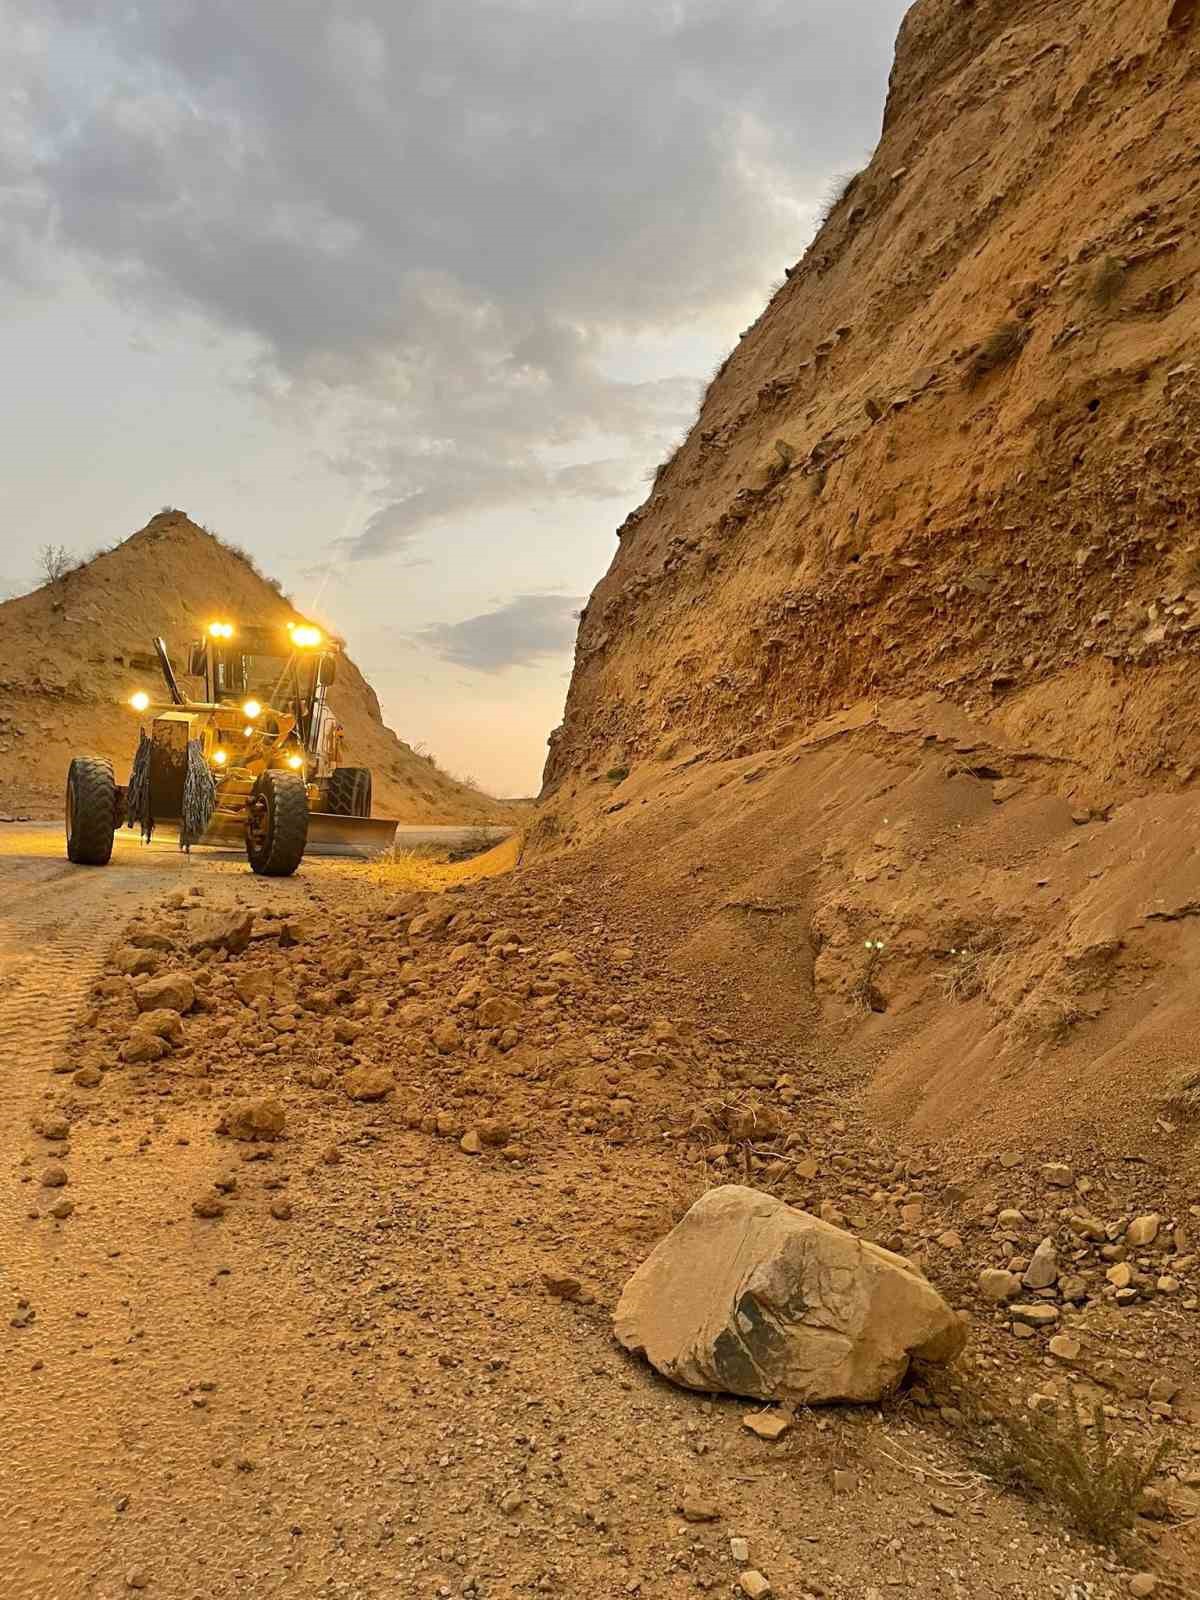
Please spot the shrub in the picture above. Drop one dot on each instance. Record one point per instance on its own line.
(1099, 1483)
(840, 188)
(54, 561)
(617, 774)
(1000, 347)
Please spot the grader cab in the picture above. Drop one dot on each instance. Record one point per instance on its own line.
(252, 756)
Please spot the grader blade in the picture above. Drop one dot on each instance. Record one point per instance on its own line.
(330, 835)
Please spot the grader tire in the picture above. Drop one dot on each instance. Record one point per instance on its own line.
(91, 811)
(350, 792)
(277, 824)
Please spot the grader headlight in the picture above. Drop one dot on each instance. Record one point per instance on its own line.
(220, 757)
(306, 638)
(295, 762)
(140, 701)
(220, 630)
(252, 709)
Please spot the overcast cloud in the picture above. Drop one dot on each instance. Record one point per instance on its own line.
(525, 630)
(443, 231)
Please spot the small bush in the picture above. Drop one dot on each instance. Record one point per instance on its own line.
(1099, 1483)
(865, 992)
(1108, 280)
(840, 188)
(997, 350)
(54, 561)
(617, 774)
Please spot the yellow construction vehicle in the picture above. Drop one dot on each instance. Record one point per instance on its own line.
(254, 760)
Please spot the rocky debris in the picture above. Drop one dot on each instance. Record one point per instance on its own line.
(749, 1296)
(62, 1209)
(142, 1047)
(163, 1024)
(229, 931)
(1142, 1231)
(561, 1284)
(172, 991)
(281, 1210)
(696, 1508)
(470, 1144)
(368, 1083)
(51, 1125)
(87, 1077)
(1042, 1271)
(996, 1284)
(753, 1584)
(768, 1425)
(209, 1204)
(253, 1120)
(54, 1176)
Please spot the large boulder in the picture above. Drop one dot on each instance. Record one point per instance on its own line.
(749, 1296)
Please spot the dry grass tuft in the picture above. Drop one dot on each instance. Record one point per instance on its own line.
(1000, 347)
(1108, 280)
(1098, 1481)
(1185, 566)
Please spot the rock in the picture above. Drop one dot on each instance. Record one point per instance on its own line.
(693, 1508)
(163, 1023)
(1035, 1316)
(228, 931)
(749, 1296)
(173, 991)
(1120, 1276)
(562, 1285)
(739, 1550)
(446, 1037)
(512, 1502)
(55, 1176)
(208, 1205)
(347, 1032)
(1058, 1175)
(470, 1144)
(498, 1012)
(1127, 1297)
(142, 1047)
(754, 1584)
(1142, 1231)
(1143, 1584)
(1042, 1272)
(281, 1210)
(254, 1119)
(52, 1126)
(331, 1156)
(1073, 1289)
(769, 1425)
(62, 1208)
(256, 984)
(136, 963)
(996, 1285)
(494, 1132)
(1064, 1347)
(368, 1083)
(315, 1077)
(137, 1579)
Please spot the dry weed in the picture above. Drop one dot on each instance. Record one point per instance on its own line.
(425, 869)
(1000, 347)
(1098, 1482)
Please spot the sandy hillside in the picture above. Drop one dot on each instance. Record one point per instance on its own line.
(900, 647)
(71, 653)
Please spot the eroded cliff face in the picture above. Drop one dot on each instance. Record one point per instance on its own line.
(957, 453)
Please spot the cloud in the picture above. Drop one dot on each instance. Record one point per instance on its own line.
(525, 630)
(444, 215)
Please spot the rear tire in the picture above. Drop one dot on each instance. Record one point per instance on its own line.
(277, 824)
(91, 811)
(350, 792)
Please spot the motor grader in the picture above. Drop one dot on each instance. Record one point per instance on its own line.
(253, 760)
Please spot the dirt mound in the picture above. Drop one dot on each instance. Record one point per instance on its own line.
(73, 651)
(881, 716)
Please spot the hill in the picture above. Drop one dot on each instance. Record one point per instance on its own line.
(899, 649)
(72, 652)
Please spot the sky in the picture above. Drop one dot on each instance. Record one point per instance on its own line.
(406, 297)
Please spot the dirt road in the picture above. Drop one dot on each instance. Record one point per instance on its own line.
(355, 1383)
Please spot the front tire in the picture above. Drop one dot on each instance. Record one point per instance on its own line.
(350, 792)
(277, 824)
(91, 811)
